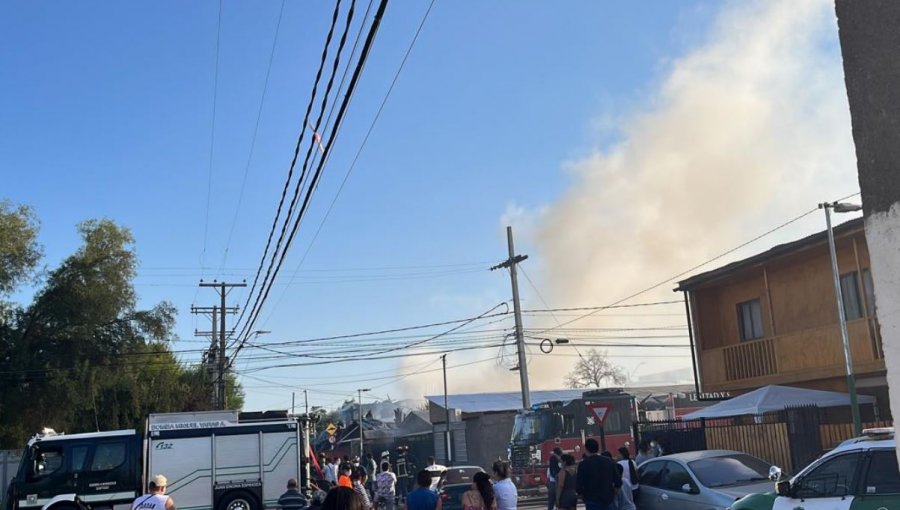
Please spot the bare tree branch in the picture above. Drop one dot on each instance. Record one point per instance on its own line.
(594, 370)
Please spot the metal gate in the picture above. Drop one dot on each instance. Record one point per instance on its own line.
(675, 436)
(803, 435)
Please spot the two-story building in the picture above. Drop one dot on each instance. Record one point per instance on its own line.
(772, 319)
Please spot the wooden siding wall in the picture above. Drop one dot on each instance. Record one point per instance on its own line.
(801, 335)
(834, 434)
(767, 441)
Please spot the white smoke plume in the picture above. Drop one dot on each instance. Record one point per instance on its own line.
(743, 132)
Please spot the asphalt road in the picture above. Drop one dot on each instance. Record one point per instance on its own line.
(534, 502)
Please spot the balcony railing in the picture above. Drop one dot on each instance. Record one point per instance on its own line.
(750, 359)
(813, 352)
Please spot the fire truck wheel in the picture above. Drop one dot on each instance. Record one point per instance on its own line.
(238, 500)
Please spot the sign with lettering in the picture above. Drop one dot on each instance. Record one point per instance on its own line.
(188, 425)
(711, 395)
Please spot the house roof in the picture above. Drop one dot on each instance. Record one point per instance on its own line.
(512, 400)
(503, 401)
(757, 260)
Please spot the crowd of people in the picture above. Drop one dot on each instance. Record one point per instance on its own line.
(601, 481)
(598, 480)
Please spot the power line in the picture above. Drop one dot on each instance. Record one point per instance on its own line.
(287, 182)
(212, 135)
(383, 331)
(479, 265)
(368, 358)
(359, 151)
(351, 87)
(605, 307)
(259, 111)
(541, 297)
(266, 286)
(337, 278)
(408, 345)
(365, 354)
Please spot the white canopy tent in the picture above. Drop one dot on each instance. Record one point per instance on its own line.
(775, 398)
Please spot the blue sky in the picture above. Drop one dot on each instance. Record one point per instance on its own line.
(107, 112)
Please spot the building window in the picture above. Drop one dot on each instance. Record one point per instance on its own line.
(750, 319)
(850, 291)
(869, 289)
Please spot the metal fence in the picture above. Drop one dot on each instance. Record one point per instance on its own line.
(790, 439)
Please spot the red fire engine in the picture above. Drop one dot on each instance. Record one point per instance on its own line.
(606, 415)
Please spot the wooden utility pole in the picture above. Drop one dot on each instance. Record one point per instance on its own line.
(511, 264)
(211, 359)
(222, 357)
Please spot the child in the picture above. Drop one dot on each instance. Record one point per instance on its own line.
(423, 498)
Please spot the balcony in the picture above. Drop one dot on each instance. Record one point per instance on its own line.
(800, 356)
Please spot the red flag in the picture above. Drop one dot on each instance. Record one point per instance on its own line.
(315, 462)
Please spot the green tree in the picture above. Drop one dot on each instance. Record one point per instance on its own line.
(82, 357)
(19, 251)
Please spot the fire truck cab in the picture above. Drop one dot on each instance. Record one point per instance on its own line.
(606, 415)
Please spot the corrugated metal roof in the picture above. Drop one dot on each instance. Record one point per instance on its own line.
(505, 401)
(512, 400)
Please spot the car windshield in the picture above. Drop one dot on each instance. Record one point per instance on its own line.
(728, 470)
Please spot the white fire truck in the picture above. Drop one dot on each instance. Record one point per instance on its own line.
(213, 461)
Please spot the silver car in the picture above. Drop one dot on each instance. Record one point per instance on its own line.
(702, 480)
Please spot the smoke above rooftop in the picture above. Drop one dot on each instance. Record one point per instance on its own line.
(743, 131)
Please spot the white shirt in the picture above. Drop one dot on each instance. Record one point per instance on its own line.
(626, 473)
(506, 494)
(330, 473)
(624, 498)
(150, 502)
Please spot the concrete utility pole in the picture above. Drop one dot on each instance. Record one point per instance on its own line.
(222, 358)
(510, 264)
(307, 422)
(361, 451)
(447, 415)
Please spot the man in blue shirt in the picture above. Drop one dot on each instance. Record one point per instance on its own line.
(423, 498)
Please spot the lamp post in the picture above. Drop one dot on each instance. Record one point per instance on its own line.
(842, 316)
(360, 392)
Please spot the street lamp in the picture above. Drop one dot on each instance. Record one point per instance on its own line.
(839, 207)
(360, 392)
